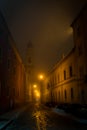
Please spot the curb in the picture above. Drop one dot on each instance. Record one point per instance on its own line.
(6, 124)
(9, 121)
(80, 120)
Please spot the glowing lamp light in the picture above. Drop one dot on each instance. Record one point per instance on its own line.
(34, 85)
(41, 77)
(35, 91)
(38, 94)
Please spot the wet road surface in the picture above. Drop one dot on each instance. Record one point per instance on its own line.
(38, 117)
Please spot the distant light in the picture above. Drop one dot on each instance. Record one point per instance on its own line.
(41, 77)
(38, 94)
(34, 85)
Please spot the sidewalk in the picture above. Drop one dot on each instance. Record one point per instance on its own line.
(63, 113)
(8, 117)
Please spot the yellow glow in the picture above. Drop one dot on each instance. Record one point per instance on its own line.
(37, 93)
(34, 85)
(41, 76)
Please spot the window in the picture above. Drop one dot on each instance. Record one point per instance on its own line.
(64, 75)
(65, 94)
(72, 95)
(70, 71)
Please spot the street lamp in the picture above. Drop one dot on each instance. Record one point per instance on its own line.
(35, 86)
(37, 95)
(36, 92)
(41, 78)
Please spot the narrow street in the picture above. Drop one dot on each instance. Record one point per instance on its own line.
(43, 59)
(38, 117)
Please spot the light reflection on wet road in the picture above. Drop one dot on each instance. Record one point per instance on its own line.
(38, 117)
(41, 118)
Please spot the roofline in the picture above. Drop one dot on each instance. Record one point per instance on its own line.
(12, 44)
(79, 14)
(60, 61)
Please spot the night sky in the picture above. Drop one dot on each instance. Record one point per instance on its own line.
(46, 24)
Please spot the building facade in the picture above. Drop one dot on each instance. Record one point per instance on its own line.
(67, 81)
(12, 71)
(29, 72)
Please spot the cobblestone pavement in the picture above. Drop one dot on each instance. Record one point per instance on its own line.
(38, 117)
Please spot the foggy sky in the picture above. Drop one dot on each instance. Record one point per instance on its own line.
(46, 24)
